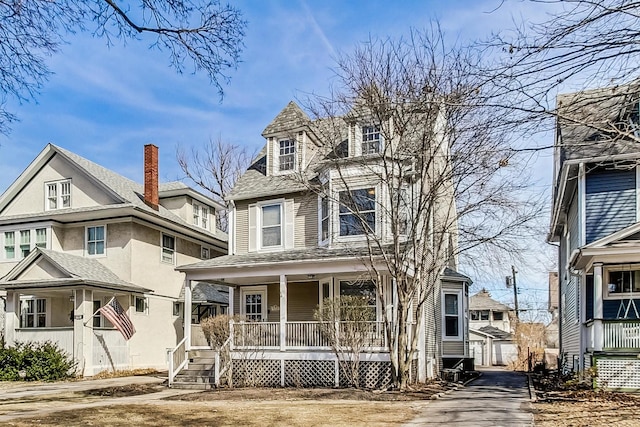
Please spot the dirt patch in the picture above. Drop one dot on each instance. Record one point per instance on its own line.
(124, 391)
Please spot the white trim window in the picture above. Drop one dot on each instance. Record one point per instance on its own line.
(58, 194)
(253, 303)
(325, 214)
(9, 245)
(95, 238)
(25, 243)
(168, 248)
(205, 253)
(623, 282)
(141, 305)
(452, 310)
(41, 238)
(287, 155)
(33, 313)
(370, 139)
(200, 215)
(357, 213)
(271, 225)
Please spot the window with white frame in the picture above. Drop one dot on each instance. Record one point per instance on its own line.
(168, 248)
(33, 313)
(176, 309)
(25, 242)
(287, 156)
(41, 237)
(95, 236)
(99, 321)
(58, 194)
(271, 225)
(324, 218)
(452, 316)
(204, 253)
(357, 212)
(142, 305)
(370, 139)
(9, 244)
(363, 290)
(200, 215)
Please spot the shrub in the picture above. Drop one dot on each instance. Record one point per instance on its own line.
(36, 361)
(216, 329)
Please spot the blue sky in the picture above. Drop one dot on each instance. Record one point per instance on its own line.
(105, 103)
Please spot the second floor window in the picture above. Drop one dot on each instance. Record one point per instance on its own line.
(452, 317)
(96, 240)
(324, 219)
(19, 243)
(9, 244)
(58, 195)
(370, 139)
(168, 248)
(624, 281)
(200, 216)
(287, 155)
(271, 225)
(357, 212)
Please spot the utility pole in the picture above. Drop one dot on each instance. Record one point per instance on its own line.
(511, 281)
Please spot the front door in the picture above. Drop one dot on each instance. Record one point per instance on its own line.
(254, 304)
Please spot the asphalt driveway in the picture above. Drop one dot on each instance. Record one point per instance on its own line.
(498, 398)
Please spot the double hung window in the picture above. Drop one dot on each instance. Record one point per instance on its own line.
(370, 139)
(324, 219)
(168, 248)
(452, 316)
(34, 313)
(96, 240)
(271, 233)
(287, 158)
(58, 195)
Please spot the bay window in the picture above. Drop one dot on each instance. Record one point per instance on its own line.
(357, 212)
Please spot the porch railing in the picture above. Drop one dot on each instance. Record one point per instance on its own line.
(303, 334)
(178, 359)
(623, 334)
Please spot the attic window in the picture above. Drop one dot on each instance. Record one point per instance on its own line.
(58, 194)
(370, 139)
(287, 155)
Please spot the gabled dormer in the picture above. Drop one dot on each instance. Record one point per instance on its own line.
(290, 142)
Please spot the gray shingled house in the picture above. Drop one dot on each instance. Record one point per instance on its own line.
(491, 338)
(290, 249)
(595, 222)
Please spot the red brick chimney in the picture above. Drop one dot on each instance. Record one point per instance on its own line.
(151, 176)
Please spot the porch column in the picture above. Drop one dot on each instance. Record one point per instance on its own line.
(83, 330)
(231, 308)
(11, 320)
(283, 312)
(598, 329)
(187, 314)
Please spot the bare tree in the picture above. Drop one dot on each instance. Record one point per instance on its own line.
(202, 35)
(440, 172)
(215, 167)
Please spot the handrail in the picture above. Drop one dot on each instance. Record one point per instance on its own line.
(178, 359)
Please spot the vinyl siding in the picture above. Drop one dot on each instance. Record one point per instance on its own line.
(306, 221)
(574, 225)
(302, 301)
(570, 324)
(610, 202)
(242, 227)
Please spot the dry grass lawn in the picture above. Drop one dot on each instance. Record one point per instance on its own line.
(234, 413)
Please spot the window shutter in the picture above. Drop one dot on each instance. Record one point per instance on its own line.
(253, 230)
(289, 219)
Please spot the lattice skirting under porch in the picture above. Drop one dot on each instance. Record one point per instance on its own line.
(618, 373)
(306, 373)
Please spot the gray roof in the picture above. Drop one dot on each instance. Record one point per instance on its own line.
(592, 123)
(290, 118)
(295, 255)
(80, 269)
(131, 192)
(483, 301)
(449, 273)
(496, 333)
(254, 184)
(202, 292)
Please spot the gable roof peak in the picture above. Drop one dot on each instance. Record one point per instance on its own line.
(291, 117)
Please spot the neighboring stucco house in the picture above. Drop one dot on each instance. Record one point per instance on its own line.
(595, 221)
(491, 336)
(74, 234)
(290, 249)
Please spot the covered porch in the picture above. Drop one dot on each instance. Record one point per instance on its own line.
(47, 299)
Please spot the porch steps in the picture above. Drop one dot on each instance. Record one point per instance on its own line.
(200, 373)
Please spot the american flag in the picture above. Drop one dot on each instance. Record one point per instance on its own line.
(114, 312)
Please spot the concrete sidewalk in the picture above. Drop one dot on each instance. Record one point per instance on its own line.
(498, 398)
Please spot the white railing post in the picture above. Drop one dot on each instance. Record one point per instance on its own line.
(187, 313)
(231, 334)
(283, 312)
(216, 369)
